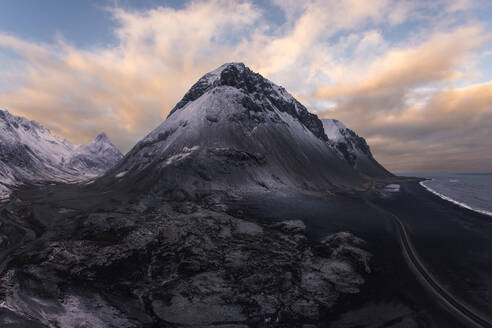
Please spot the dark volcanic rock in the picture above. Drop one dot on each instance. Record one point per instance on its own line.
(145, 264)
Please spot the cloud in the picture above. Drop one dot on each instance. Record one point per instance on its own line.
(437, 59)
(408, 96)
(468, 100)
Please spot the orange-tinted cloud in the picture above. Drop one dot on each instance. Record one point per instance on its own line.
(437, 59)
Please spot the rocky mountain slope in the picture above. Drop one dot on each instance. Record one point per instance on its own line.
(353, 148)
(236, 130)
(30, 153)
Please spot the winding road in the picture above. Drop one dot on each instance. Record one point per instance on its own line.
(449, 301)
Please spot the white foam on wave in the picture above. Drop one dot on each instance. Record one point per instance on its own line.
(449, 199)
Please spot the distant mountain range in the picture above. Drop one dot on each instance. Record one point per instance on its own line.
(29, 153)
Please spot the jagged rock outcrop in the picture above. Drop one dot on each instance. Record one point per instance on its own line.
(353, 148)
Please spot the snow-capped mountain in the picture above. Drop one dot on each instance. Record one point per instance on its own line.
(353, 148)
(97, 156)
(30, 153)
(235, 130)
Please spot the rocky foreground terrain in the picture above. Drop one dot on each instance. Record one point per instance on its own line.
(168, 264)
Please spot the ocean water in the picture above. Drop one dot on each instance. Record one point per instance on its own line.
(472, 191)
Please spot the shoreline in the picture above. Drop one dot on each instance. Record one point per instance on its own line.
(454, 305)
(453, 201)
(452, 241)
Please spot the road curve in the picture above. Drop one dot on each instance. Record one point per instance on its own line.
(453, 304)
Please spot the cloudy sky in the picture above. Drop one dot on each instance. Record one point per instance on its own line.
(412, 77)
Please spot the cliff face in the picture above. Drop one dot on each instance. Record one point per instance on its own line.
(354, 149)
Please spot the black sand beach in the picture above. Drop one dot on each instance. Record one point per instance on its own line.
(451, 241)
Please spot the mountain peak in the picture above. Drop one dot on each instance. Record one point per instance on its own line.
(7, 116)
(101, 145)
(13, 126)
(225, 74)
(102, 137)
(227, 66)
(4, 113)
(261, 93)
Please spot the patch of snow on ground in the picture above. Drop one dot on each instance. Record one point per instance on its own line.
(95, 312)
(4, 192)
(392, 188)
(178, 157)
(121, 174)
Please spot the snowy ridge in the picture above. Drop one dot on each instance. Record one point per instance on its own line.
(353, 148)
(30, 153)
(95, 157)
(334, 129)
(262, 93)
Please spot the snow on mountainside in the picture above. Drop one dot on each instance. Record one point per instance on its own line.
(334, 129)
(261, 91)
(235, 130)
(353, 148)
(97, 156)
(30, 153)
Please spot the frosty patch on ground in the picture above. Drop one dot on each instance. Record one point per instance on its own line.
(121, 174)
(178, 157)
(392, 188)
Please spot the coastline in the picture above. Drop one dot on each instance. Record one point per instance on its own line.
(455, 202)
(451, 240)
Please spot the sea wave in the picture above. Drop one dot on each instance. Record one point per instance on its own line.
(449, 199)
